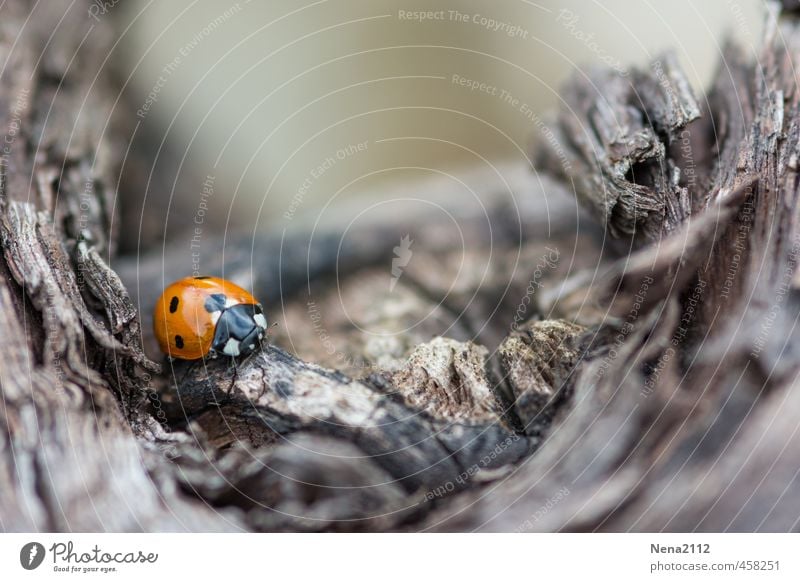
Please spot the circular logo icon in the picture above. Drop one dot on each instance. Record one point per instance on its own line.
(31, 555)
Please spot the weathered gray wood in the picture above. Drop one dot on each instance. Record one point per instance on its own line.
(531, 379)
(71, 372)
(613, 142)
(685, 419)
(433, 415)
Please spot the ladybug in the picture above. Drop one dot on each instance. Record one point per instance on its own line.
(198, 317)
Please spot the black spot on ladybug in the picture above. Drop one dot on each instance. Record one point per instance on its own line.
(173, 305)
(215, 302)
(179, 342)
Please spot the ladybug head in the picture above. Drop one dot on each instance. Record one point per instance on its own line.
(239, 330)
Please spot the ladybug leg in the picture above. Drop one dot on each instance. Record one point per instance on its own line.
(232, 365)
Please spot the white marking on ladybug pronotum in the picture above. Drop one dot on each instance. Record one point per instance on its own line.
(231, 348)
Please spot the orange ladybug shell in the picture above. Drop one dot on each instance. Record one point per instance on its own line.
(183, 327)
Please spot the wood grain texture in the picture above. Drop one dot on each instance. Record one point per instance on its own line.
(527, 375)
(685, 420)
(72, 371)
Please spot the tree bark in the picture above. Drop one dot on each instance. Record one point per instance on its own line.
(533, 376)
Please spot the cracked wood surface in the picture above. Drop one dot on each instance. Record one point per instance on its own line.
(685, 409)
(523, 376)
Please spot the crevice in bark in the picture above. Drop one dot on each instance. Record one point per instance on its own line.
(613, 406)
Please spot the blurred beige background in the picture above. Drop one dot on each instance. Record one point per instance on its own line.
(288, 106)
